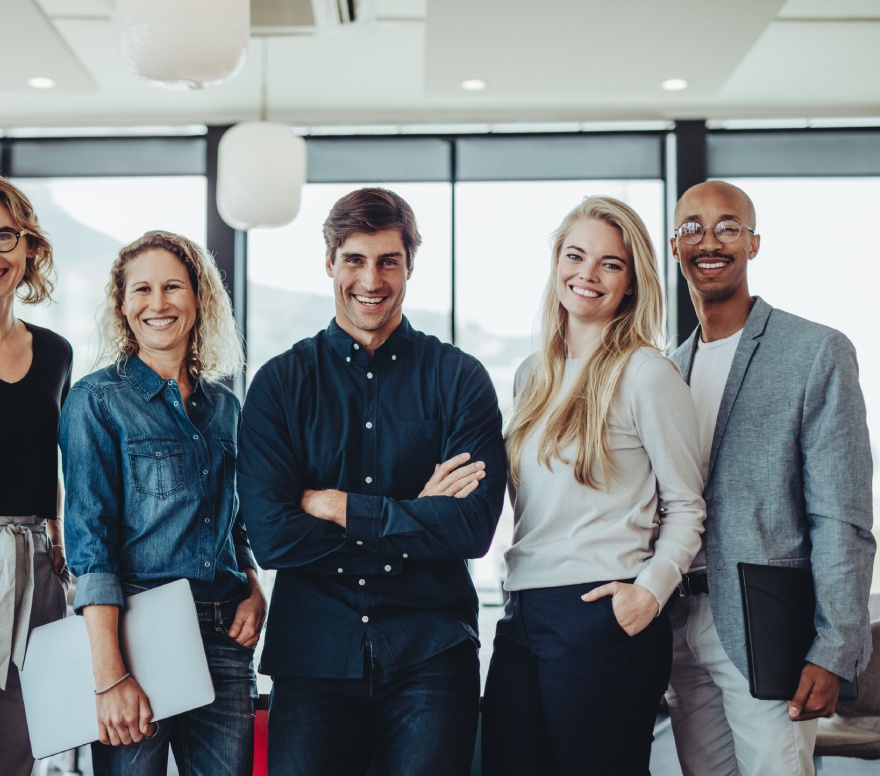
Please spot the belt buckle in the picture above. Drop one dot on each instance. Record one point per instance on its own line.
(684, 587)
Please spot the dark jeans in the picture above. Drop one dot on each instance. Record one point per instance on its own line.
(214, 740)
(568, 691)
(418, 721)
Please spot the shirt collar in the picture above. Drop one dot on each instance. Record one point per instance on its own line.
(147, 383)
(344, 345)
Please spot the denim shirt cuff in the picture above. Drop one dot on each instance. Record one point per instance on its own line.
(362, 521)
(98, 589)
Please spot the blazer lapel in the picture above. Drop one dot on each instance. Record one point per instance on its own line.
(748, 344)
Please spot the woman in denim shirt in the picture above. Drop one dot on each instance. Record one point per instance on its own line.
(149, 446)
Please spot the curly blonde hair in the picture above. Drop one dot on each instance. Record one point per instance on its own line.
(39, 274)
(215, 349)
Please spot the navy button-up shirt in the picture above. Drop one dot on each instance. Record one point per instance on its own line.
(151, 490)
(326, 415)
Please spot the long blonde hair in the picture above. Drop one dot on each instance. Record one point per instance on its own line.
(215, 349)
(583, 415)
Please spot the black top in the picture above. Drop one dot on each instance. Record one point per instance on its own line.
(326, 415)
(29, 411)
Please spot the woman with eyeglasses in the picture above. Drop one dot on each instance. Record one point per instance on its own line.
(149, 446)
(35, 366)
(606, 488)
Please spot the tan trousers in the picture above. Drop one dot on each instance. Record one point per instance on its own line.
(23, 538)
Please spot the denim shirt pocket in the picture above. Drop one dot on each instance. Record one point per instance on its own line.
(230, 453)
(156, 465)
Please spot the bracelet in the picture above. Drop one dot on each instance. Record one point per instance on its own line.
(111, 686)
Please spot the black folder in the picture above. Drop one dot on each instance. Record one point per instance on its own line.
(778, 607)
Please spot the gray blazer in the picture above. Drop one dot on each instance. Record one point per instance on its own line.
(789, 480)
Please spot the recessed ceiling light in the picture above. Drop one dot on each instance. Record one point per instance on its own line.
(674, 84)
(473, 84)
(41, 83)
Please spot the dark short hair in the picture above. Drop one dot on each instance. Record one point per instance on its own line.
(367, 211)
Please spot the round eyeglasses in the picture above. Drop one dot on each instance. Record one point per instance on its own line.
(8, 240)
(692, 232)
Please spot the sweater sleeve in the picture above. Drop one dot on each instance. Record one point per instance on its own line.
(666, 421)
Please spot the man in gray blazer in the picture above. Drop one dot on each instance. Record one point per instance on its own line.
(788, 473)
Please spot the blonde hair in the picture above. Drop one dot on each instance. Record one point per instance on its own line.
(583, 415)
(215, 349)
(39, 273)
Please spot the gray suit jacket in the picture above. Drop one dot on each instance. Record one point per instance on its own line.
(789, 480)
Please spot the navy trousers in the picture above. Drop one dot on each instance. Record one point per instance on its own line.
(568, 691)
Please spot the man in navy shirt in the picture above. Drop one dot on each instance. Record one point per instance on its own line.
(371, 467)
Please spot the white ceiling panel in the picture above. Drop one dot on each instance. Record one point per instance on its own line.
(574, 47)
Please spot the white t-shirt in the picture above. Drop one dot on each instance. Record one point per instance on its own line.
(708, 377)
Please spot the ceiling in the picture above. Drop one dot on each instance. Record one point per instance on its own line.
(563, 62)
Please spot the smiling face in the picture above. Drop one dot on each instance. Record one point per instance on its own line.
(716, 271)
(159, 304)
(12, 263)
(369, 283)
(593, 272)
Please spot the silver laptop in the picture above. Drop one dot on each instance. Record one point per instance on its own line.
(162, 647)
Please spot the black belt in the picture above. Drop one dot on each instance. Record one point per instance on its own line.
(693, 584)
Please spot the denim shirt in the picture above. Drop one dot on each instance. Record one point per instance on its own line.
(327, 415)
(151, 490)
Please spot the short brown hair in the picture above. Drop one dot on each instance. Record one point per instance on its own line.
(371, 210)
(39, 274)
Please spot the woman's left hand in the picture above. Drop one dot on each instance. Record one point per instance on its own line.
(59, 561)
(249, 615)
(634, 606)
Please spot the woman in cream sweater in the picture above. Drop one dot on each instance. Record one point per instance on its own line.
(606, 487)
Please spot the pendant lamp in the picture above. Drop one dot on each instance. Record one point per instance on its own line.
(184, 44)
(261, 169)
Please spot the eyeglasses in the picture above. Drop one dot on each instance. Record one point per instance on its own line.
(8, 240)
(692, 232)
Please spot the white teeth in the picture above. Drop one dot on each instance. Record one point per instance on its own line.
(159, 321)
(368, 299)
(713, 265)
(585, 292)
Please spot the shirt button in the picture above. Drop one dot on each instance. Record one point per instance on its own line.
(369, 375)
(388, 568)
(348, 358)
(362, 582)
(175, 404)
(368, 480)
(193, 403)
(195, 436)
(158, 454)
(369, 425)
(205, 472)
(394, 358)
(207, 519)
(364, 618)
(356, 346)
(405, 555)
(359, 542)
(171, 382)
(339, 570)
(207, 564)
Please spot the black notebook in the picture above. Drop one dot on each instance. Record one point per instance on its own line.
(778, 607)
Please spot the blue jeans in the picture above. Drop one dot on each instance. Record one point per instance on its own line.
(569, 693)
(418, 721)
(214, 740)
